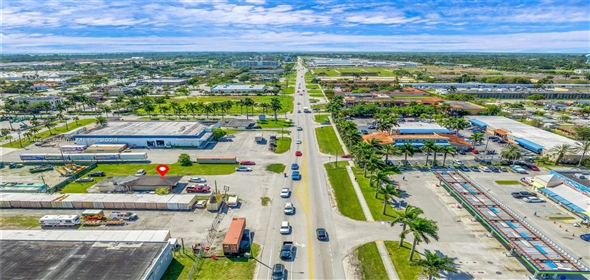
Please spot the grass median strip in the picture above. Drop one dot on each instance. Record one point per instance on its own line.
(371, 265)
(348, 203)
(507, 182)
(276, 168)
(400, 257)
(375, 204)
(283, 145)
(328, 141)
(45, 134)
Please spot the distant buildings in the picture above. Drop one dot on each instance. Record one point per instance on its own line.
(332, 62)
(162, 82)
(237, 88)
(52, 100)
(581, 71)
(256, 64)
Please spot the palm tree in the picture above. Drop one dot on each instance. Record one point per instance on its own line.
(375, 143)
(241, 104)
(275, 105)
(100, 120)
(389, 150)
(560, 151)
(388, 191)
(164, 109)
(61, 117)
(437, 149)
(564, 118)
(379, 178)
(405, 217)
(511, 153)
(149, 108)
(248, 102)
(432, 264)
(448, 150)
(76, 119)
(9, 137)
(5, 132)
(28, 134)
(476, 137)
(429, 147)
(174, 106)
(207, 109)
(192, 108)
(582, 147)
(422, 229)
(34, 131)
(407, 149)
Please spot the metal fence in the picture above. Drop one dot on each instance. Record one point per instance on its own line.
(71, 178)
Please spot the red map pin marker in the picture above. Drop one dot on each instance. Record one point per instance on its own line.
(162, 169)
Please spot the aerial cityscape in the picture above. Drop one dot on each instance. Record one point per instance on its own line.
(260, 139)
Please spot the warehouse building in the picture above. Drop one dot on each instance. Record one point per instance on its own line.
(407, 127)
(531, 138)
(96, 254)
(256, 64)
(162, 82)
(237, 88)
(152, 134)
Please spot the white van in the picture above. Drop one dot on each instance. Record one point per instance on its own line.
(285, 227)
(59, 220)
(140, 172)
(232, 201)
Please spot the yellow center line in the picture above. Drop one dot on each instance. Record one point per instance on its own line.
(302, 193)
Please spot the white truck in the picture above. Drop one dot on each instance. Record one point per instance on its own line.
(129, 216)
(258, 137)
(306, 110)
(59, 220)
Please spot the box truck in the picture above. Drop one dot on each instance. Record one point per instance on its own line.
(233, 237)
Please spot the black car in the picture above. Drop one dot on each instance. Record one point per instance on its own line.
(461, 152)
(364, 131)
(278, 271)
(522, 194)
(96, 174)
(494, 169)
(474, 168)
(322, 234)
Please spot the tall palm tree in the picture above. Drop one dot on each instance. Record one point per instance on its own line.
(49, 125)
(432, 264)
(389, 150)
(28, 134)
(511, 152)
(76, 119)
(376, 144)
(437, 149)
(582, 147)
(388, 191)
(476, 137)
(407, 149)
(448, 150)
(100, 120)
(241, 103)
(34, 131)
(174, 106)
(429, 147)
(149, 108)
(164, 110)
(380, 178)
(248, 102)
(422, 229)
(405, 217)
(275, 105)
(560, 151)
(191, 107)
(208, 109)
(61, 117)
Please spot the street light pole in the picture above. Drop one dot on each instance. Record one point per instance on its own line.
(487, 142)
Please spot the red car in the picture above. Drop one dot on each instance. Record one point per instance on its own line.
(198, 189)
(298, 153)
(346, 156)
(475, 151)
(301, 94)
(532, 167)
(247, 162)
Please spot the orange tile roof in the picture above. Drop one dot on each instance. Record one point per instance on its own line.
(416, 136)
(431, 99)
(501, 131)
(454, 139)
(382, 137)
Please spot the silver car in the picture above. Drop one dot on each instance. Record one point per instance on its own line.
(289, 209)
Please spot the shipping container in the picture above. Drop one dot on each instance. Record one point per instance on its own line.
(216, 159)
(55, 157)
(72, 148)
(4, 204)
(133, 156)
(106, 156)
(45, 204)
(81, 157)
(100, 148)
(77, 204)
(233, 237)
(32, 156)
(56, 204)
(67, 204)
(98, 204)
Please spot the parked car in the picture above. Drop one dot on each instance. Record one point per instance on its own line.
(364, 131)
(247, 162)
(322, 234)
(96, 174)
(503, 169)
(461, 152)
(86, 179)
(201, 203)
(522, 194)
(201, 188)
(298, 153)
(197, 180)
(457, 161)
(463, 168)
(285, 192)
(533, 199)
(532, 167)
(484, 169)
(140, 172)
(475, 151)
(474, 168)
(294, 166)
(243, 169)
(346, 156)
(289, 209)
(371, 127)
(494, 169)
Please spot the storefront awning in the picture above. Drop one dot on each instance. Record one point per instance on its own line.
(529, 145)
(500, 132)
(478, 123)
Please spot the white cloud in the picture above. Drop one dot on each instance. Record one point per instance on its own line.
(256, 2)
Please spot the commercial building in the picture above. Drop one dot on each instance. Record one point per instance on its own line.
(531, 138)
(256, 64)
(417, 140)
(237, 88)
(334, 62)
(52, 100)
(23, 187)
(473, 109)
(95, 254)
(151, 134)
(581, 71)
(407, 127)
(137, 183)
(162, 82)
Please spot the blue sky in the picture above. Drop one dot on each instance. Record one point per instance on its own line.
(50, 26)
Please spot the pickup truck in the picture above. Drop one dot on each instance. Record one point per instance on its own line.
(198, 189)
(287, 250)
(296, 175)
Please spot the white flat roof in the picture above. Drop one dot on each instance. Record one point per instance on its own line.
(238, 86)
(520, 130)
(421, 125)
(150, 128)
(87, 235)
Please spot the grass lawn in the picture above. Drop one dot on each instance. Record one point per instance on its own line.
(288, 90)
(45, 134)
(130, 169)
(314, 91)
(19, 221)
(270, 123)
(286, 103)
(313, 86)
(399, 257)
(321, 118)
(283, 145)
(375, 204)
(371, 265)
(328, 141)
(276, 168)
(507, 182)
(316, 94)
(222, 268)
(348, 203)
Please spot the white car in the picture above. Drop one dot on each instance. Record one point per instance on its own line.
(289, 209)
(285, 192)
(201, 203)
(140, 172)
(197, 180)
(243, 169)
(484, 169)
(457, 161)
(533, 199)
(285, 227)
(298, 141)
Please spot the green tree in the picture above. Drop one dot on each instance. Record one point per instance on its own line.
(405, 217)
(184, 160)
(448, 150)
(5, 132)
(49, 125)
(162, 191)
(218, 133)
(582, 147)
(536, 96)
(511, 152)
(560, 151)
(582, 133)
(422, 229)
(208, 109)
(388, 191)
(389, 150)
(477, 137)
(429, 147)
(432, 264)
(275, 105)
(248, 102)
(407, 149)
(380, 178)
(100, 120)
